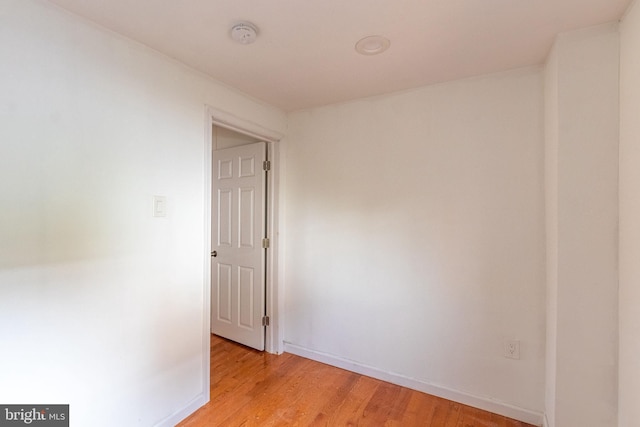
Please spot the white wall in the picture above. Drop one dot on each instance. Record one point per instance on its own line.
(582, 217)
(415, 237)
(226, 138)
(629, 372)
(102, 305)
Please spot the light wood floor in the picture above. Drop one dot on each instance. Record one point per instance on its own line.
(252, 388)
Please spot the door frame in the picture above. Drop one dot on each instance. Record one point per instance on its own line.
(273, 292)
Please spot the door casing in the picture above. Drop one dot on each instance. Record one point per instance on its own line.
(274, 302)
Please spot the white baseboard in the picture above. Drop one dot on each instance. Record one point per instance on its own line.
(545, 421)
(173, 419)
(487, 404)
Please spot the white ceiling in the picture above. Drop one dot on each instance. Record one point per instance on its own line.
(305, 55)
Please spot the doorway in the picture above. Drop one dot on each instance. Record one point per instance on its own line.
(225, 137)
(239, 241)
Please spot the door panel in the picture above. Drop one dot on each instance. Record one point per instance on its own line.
(224, 293)
(238, 270)
(245, 302)
(225, 197)
(247, 220)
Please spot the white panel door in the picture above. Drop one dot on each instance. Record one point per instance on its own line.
(237, 257)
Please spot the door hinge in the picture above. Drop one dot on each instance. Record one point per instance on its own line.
(265, 243)
(265, 320)
(266, 165)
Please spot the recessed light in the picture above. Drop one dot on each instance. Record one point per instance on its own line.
(244, 32)
(372, 45)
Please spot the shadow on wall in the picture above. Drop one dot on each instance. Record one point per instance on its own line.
(63, 209)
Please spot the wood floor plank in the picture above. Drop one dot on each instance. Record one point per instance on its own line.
(421, 409)
(323, 394)
(473, 417)
(252, 388)
(336, 400)
(351, 411)
(379, 407)
(446, 414)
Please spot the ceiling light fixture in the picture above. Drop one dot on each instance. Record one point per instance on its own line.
(244, 32)
(372, 45)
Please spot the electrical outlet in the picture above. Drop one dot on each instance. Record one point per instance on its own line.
(512, 349)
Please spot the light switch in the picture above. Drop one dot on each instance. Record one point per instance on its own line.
(159, 206)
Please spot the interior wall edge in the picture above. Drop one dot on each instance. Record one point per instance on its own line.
(185, 411)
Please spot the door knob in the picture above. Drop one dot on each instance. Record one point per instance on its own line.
(214, 254)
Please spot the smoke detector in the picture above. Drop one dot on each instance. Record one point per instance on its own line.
(244, 32)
